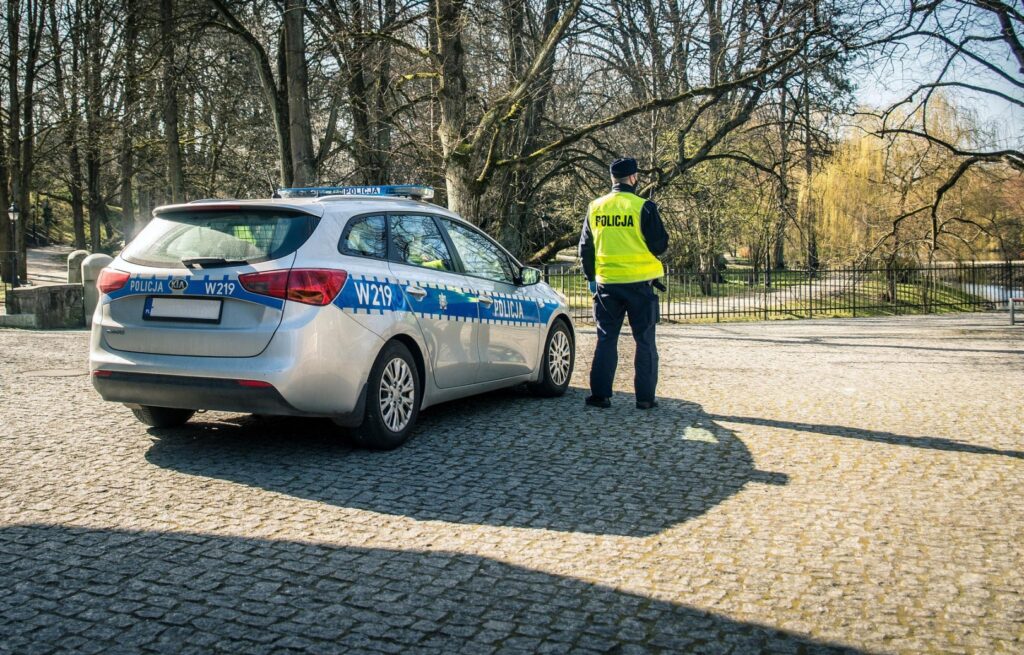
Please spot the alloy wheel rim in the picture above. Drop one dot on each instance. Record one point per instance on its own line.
(397, 394)
(559, 355)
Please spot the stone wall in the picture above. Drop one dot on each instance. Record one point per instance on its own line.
(53, 306)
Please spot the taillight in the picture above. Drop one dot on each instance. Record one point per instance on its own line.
(271, 283)
(254, 384)
(312, 286)
(111, 280)
(315, 286)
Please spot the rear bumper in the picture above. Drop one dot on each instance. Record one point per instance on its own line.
(317, 363)
(187, 392)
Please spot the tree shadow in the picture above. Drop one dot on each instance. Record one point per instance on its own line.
(84, 590)
(841, 342)
(503, 459)
(931, 443)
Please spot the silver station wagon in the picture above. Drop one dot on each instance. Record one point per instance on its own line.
(361, 304)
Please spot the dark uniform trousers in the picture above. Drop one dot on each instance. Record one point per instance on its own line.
(611, 304)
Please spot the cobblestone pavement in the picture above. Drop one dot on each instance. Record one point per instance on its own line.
(804, 487)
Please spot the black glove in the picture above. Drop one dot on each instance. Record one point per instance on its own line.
(659, 285)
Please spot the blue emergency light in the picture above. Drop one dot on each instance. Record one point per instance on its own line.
(414, 191)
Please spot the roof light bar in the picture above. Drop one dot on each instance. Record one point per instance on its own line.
(416, 191)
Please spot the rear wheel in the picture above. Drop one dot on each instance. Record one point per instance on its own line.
(392, 399)
(556, 368)
(162, 417)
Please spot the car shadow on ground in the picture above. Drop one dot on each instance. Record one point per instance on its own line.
(505, 459)
(70, 589)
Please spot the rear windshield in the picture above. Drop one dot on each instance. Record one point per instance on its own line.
(223, 237)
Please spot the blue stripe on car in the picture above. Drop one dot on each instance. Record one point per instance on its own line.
(373, 295)
(223, 287)
(362, 295)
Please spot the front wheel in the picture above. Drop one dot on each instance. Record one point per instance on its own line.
(162, 417)
(557, 365)
(392, 399)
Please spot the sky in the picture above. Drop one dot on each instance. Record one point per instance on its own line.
(890, 79)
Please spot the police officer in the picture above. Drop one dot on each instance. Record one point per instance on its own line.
(622, 238)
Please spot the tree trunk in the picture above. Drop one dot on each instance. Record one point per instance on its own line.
(297, 92)
(128, 123)
(14, 20)
(93, 107)
(272, 91)
(784, 202)
(172, 141)
(810, 208)
(716, 40)
(27, 17)
(68, 101)
(5, 226)
(451, 95)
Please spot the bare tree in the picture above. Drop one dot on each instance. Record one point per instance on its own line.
(979, 50)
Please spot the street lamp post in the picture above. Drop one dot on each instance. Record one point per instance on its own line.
(12, 214)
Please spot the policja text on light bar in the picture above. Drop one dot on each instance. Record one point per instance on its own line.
(415, 191)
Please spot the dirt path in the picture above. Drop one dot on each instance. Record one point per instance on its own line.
(48, 265)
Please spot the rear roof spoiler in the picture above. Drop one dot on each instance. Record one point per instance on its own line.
(221, 204)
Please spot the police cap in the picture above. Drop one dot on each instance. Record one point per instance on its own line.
(623, 167)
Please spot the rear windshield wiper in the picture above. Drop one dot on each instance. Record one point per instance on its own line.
(209, 262)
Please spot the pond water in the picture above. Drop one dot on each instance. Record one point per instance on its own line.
(992, 291)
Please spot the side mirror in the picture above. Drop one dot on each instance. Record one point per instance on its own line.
(529, 276)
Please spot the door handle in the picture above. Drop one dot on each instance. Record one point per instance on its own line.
(486, 300)
(418, 292)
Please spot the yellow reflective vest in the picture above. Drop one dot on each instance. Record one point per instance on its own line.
(620, 252)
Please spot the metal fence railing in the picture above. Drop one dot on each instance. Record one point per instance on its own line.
(746, 294)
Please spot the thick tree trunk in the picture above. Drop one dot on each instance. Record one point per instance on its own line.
(462, 195)
(380, 161)
(368, 83)
(297, 91)
(277, 94)
(172, 141)
(451, 96)
(515, 218)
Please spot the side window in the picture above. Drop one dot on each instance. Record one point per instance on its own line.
(480, 257)
(364, 236)
(415, 240)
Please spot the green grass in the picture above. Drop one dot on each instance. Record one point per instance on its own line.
(681, 289)
(869, 298)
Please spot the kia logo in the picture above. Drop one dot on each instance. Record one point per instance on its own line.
(178, 285)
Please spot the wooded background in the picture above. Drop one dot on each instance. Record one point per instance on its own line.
(742, 114)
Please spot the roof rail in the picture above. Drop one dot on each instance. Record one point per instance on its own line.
(414, 191)
(193, 202)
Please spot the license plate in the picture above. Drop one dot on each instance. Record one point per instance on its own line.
(191, 310)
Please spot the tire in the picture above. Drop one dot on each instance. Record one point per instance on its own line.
(394, 385)
(557, 364)
(162, 417)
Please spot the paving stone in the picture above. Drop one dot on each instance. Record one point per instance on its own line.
(804, 487)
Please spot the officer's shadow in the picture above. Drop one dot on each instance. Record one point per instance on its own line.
(504, 458)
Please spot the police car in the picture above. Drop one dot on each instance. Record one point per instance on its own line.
(362, 304)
